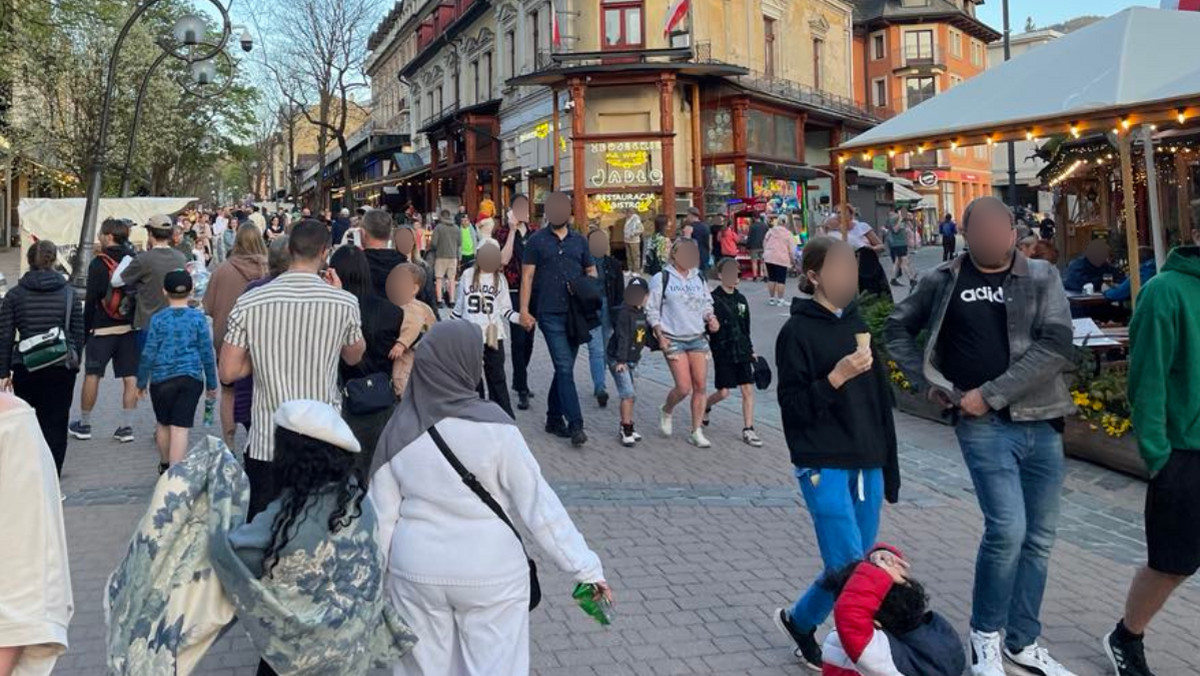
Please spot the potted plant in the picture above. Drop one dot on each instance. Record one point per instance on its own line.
(1102, 432)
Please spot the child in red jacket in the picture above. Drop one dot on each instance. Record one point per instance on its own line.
(882, 626)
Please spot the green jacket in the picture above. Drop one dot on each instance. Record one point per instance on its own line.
(1164, 360)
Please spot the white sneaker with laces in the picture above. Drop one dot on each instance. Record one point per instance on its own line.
(636, 437)
(986, 657)
(751, 437)
(664, 421)
(698, 439)
(627, 440)
(1035, 660)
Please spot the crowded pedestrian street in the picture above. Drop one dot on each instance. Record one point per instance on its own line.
(701, 544)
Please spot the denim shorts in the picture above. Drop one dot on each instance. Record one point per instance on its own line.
(624, 380)
(681, 345)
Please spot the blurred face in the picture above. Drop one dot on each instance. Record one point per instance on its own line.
(404, 240)
(488, 259)
(598, 244)
(838, 279)
(558, 209)
(635, 297)
(687, 256)
(990, 234)
(1097, 253)
(729, 275)
(401, 287)
(520, 210)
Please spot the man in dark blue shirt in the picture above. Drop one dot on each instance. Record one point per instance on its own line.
(553, 258)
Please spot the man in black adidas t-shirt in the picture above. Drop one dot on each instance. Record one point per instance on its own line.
(1001, 327)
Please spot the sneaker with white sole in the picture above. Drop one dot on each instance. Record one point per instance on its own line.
(636, 437)
(1035, 660)
(751, 437)
(627, 438)
(697, 439)
(123, 434)
(808, 649)
(986, 659)
(1128, 658)
(664, 421)
(80, 430)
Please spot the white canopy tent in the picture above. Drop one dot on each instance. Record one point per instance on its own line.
(59, 219)
(1140, 67)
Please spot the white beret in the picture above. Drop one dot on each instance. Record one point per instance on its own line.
(317, 420)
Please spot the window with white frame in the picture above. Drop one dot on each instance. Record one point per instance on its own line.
(956, 44)
(878, 46)
(879, 97)
(976, 53)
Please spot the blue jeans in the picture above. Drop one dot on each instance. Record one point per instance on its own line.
(597, 346)
(846, 519)
(563, 399)
(1017, 469)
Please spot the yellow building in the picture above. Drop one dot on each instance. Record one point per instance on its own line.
(295, 147)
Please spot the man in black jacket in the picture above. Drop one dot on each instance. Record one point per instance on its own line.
(108, 327)
(608, 269)
(377, 234)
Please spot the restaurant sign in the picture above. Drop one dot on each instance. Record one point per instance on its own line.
(621, 163)
(638, 201)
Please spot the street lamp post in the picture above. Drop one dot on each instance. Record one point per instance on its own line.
(1012, 149)
(141, 96)
(190, 36)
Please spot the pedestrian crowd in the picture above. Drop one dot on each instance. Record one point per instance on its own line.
(368, 518)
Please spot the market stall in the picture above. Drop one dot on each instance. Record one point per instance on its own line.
(1132, 77)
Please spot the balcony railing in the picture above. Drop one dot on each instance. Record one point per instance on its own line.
(924, 56)
(805, 95)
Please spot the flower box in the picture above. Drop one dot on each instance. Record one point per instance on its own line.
(1085, 440)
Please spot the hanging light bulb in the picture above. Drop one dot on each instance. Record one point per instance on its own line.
(1125, 122)
(1075, 129)
(1028, 134)
(1181, 115)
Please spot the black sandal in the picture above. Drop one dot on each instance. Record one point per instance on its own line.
(163, 467)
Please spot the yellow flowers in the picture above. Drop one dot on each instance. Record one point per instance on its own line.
(1093, 409)
(898, 377)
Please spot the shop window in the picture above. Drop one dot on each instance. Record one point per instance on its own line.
(919, 89)
(878, 47)
(769, 46)
(770, 135)
(622, 24)
(918, 47)
(716, 124)
(785, 137)
(719, 180)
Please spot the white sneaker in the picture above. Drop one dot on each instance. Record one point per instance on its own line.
(986, 657)
(627, 440)
(636, 437)
(751, 437)
(697, 439)
(664, 421)
(1035, 660)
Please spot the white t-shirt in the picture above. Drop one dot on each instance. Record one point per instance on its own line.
(856, 236)
(219, 225)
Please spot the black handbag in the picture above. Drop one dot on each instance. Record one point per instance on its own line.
(368, 394)
(535, 588)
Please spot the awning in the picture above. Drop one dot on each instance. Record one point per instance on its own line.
(792, 172)
(873, 177)
(905, 194)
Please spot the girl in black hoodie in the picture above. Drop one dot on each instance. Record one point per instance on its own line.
(837, 417)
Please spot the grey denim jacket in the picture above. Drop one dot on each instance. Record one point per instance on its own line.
(1039, 338)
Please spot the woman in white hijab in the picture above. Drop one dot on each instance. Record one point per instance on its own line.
(456, 571)
(35, 588)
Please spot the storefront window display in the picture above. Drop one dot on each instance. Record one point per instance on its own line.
(621, 164)
(607, 210)
(717, 127)
(784, 195)
(771, 134)
(719, 187)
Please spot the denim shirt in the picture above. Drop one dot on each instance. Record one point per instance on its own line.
(1039, 337)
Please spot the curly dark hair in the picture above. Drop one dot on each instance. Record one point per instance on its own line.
(903, 609)
(308, 469)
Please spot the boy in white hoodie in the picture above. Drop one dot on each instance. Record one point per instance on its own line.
(483, 299)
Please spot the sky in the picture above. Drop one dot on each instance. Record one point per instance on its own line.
(1047, 12)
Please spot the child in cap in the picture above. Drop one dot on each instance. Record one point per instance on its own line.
(732, 350)
(177, 363)
(483, 299)
(882, 624)
(306, 574)
(625, 350)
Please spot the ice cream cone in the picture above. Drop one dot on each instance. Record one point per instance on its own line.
(864, 340)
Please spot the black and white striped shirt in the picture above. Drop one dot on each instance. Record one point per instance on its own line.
(295, 329)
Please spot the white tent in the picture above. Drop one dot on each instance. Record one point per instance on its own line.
(60, 219)
(1141, 59)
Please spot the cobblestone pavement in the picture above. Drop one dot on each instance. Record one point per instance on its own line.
(700, 545)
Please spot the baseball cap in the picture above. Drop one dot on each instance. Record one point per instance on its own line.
(638, 283)
(177, 282)
(160, 223)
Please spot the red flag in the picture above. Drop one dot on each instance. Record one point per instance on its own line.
(675, 14)
(1185, 5)
(555, 36)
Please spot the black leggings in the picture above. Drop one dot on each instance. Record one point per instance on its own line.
(522, 350)
(949, 244)
(493, 377)
(49, 391)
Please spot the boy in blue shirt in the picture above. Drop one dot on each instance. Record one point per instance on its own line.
(177, 362)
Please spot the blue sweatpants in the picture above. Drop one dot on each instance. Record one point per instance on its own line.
(844, 504)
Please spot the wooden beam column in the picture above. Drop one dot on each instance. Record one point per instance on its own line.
(839, 174)
(740, 166)
(578, 173)
(666, 96)
(697, 158)
(554, 128)
(1124, 144)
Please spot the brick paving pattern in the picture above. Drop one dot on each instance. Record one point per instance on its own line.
(700, 545)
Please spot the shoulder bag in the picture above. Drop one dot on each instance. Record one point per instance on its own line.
(53, 347)
(535, 588)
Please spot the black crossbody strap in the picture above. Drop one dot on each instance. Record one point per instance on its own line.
(473, 483)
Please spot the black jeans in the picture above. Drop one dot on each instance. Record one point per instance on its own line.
(493, 377)
(49, 391)
(522, 350)
(949, 244)
(367, 429)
